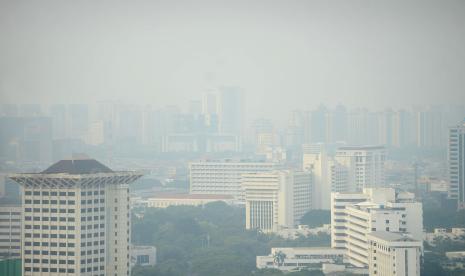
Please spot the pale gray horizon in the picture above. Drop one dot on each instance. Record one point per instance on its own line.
(285, 55)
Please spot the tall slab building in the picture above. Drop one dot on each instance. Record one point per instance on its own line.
(456, 160)
(76, 219)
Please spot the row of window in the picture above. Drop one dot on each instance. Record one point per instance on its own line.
(95, 268)
(46, 253)
(95, 260)
(46, 236)
(46, 261)
(47, 193)
(95, 243)
(51, 227)
(46, 201)
(54, 210)
(28, 218)
(46, 269)
(52, 244)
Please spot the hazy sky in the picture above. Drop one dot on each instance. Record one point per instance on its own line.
(284, 54)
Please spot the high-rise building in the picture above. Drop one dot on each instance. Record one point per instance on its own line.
(27, 139)
(456, 160)
(223, 177)
(76, 219)
(231, 110)
(328, 175)
(365, 165)
(393, 254)
(354, 216)
(10, 231)
(276, 200)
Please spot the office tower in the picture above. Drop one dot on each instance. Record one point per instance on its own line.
(59, 116)
(76, 219)
(385, 128)
(10, 231)
(30, 110)
(264, 136)
(231, 110)
(223, 177)
(210, 111)
(26, 139)
(318, 125)
(403, 129)
(328, 175)
(456, 160)
(78, 120)
(337, 125)
(393, 254)
(362, 127)
(365, 165)
(129, 124)
(295, 131)
(430, 128)
(276, 200)
(354, 216)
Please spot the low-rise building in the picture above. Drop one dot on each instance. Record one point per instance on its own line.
(166, 200)
(143, 255)
(304, 230)
(455, 234)
(297, 258)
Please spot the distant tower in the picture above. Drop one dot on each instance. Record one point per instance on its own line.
(456, 160)
(76, 219)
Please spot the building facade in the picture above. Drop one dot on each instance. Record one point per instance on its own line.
(167, 200)
(393, 254)
(276, 200)
(223, 177)
(365, 165)
(354, 216)
(456, 160)
(143, 255)
(10, 232)
(76, 219)
(296, 258)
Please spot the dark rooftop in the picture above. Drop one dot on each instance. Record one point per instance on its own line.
(77, 166)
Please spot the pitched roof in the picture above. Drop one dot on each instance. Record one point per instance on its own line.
(77, 166)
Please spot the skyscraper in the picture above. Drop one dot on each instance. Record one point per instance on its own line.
(456, 159)
(76, 219)
(231, 110)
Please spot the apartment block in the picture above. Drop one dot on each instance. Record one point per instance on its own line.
(223, 177)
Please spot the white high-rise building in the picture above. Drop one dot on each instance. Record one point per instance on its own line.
(365, 165)
(223, 177)
(456, 158)
(353, 216)
(76, 219)
(393, 254)
(329, 175)
(276, 200)
(10, 231)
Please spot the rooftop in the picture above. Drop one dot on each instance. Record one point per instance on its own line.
(77, 166)
(191, 196)
(361, 148)
(391, 236)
